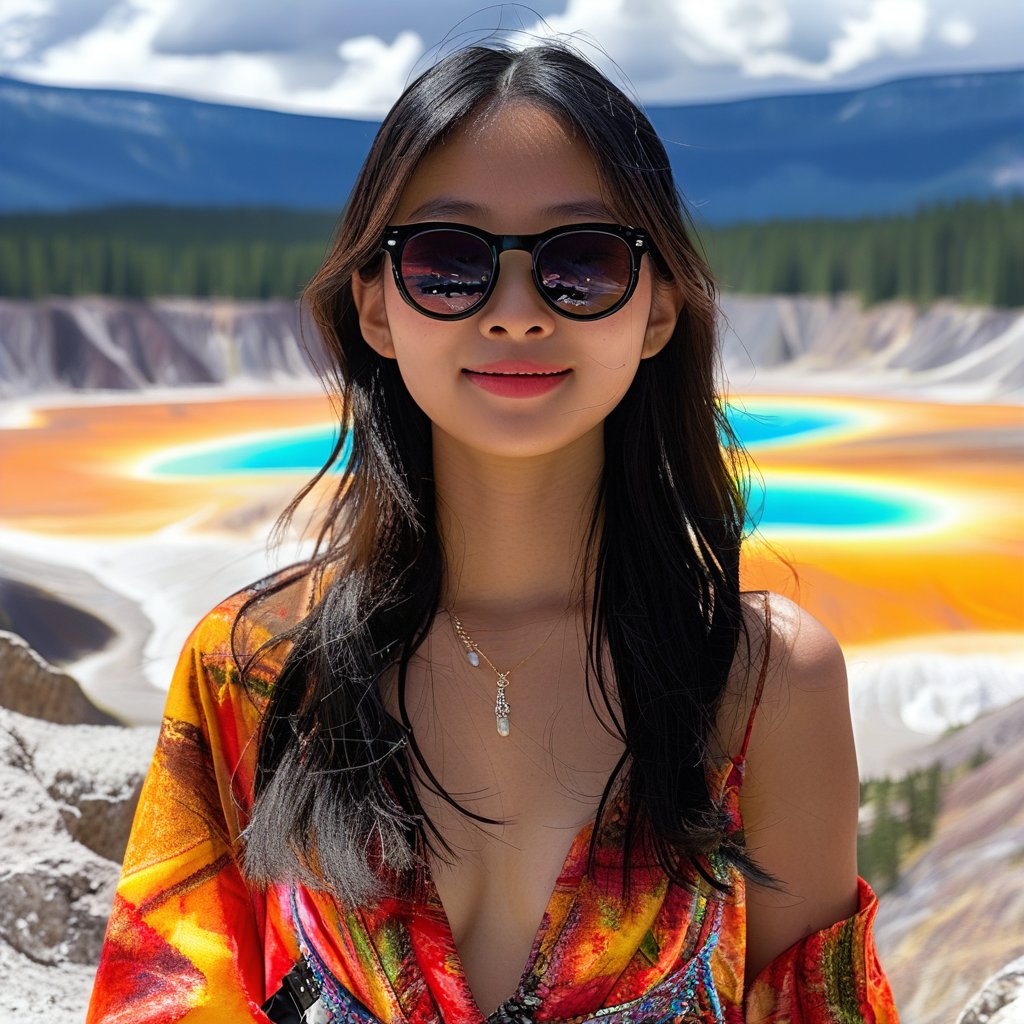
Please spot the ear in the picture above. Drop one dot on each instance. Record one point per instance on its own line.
(666, 305)
(373, 315)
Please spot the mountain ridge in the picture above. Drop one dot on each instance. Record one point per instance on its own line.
(882, 148)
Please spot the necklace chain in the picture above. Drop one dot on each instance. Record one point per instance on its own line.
(502, 709)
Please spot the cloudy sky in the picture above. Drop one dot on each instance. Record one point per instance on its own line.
(353, 57)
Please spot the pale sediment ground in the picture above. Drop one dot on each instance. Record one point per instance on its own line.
(908, 386)
(128, 695)
(906, 694)
(151, 590)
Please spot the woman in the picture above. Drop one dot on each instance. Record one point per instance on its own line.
(519, 683)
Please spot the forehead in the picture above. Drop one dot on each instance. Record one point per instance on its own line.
(512, 169)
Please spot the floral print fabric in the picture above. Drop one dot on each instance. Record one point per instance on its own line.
(190, 940)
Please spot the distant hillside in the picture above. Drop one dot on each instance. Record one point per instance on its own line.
(955, 916)
(883, 149)
(78, 148)
(887, 148)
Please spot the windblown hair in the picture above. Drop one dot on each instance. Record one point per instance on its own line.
(335, 802)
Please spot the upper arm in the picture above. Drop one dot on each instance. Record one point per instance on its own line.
(182, 941)
(801, 791)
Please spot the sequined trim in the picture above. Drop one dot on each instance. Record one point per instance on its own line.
(688, 996)
(342, 1007)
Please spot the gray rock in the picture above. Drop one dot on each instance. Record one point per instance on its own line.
(949, 347)
(1001, 999)
(54, 893)
(97, 789)
(70, 794)
(34, 993)
(32, 686)
(95, 342)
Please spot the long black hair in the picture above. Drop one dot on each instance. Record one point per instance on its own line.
(335, 802)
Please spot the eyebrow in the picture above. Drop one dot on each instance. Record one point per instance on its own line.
(449, 206)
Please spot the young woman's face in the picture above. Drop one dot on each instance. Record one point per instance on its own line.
(514, 172)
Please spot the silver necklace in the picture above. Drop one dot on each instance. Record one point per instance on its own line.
(502, 708)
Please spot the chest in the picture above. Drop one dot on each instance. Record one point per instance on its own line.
(535, 793)
(648, 957)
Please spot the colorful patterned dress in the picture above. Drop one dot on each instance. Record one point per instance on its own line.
(190, 940)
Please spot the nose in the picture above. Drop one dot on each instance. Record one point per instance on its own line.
(515, 309)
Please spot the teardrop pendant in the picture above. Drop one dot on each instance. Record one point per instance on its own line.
(473, 658)
(501, 706)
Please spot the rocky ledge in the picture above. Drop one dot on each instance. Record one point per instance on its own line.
(70, 793)
(1001, 1000)
(60, 344)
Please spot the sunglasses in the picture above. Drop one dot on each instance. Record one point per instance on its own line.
(582, 271)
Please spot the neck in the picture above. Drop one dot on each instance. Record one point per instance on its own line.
(514, 529)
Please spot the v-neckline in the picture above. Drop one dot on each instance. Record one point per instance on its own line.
(448, 975)
(453, 965)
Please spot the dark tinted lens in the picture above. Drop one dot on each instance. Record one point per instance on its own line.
(446, 271)
(584, 272)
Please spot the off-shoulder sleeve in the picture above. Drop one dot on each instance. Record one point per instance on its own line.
(830, 977)
(183, 940)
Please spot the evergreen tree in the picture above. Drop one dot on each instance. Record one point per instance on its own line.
(972, 251)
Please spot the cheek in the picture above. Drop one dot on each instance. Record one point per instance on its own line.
(615, 345)
(420, 346)
(420, 369)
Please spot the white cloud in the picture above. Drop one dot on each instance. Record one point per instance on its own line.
(374, 76)
(896, 26)
(649, 30)
(957, 32)
(19, 27)
(730, 32)
(118, 52)
(363, 77)
(30, 27)
(753, 38)
(268, 26)
(328, 56)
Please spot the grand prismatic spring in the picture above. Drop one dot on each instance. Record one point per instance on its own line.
(895, 522)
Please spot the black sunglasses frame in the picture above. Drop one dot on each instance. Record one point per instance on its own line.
(396, 238)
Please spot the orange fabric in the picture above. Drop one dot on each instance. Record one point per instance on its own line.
(190, 940)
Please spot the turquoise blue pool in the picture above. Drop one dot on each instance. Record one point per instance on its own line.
(299, 452)
(757, 425)
(785, 506)
(760, 424)
(835, 506)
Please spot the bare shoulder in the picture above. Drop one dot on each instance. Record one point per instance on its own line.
(804, 691)
(784, 652)
(801, 791)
